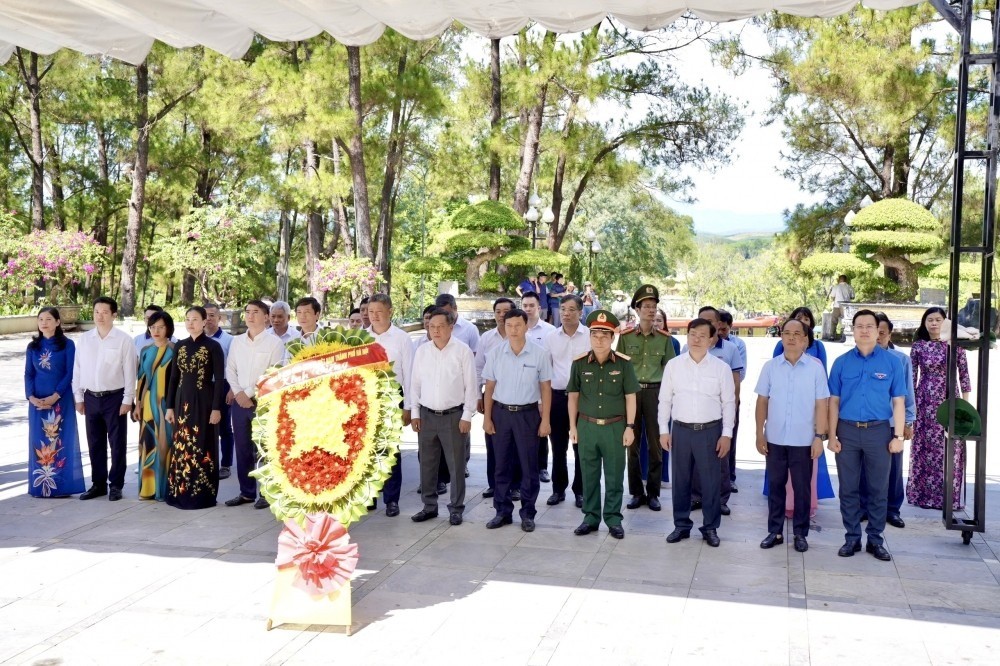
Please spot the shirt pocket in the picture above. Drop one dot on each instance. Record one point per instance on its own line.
(711, 386)
(111, 356)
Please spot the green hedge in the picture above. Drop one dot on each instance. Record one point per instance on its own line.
(895, 215)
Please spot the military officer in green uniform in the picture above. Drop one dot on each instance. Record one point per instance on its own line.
(650, 348)
(601, 396)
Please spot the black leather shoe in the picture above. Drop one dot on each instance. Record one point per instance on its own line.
(654, 504)
(114, 494)
(555, 498)
(515, 495)
(801, 545)
(422, 515)
(677, 535)
(878, 551)
(725, 510)
(392, 509)
(499, 521)
(733, 488)
(238, 500)
(261, 503)
(636, 502)
(488, 493)
(712, 537)
(455, 518)
(848, 549)
(93, 492)
(544, 477)
(772, 540)
(895, 521)
(695, 505)
(584, 528)
(374, 505)
(224, 473)
(617, 532)
(579, 501)
(527, 525)
(442, 488)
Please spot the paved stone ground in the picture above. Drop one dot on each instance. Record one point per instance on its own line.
(141, 583)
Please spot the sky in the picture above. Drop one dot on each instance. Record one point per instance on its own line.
(749, 194)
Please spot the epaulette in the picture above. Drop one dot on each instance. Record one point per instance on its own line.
(582, 356)
(631, 329)
(624, 356)
(662, 332)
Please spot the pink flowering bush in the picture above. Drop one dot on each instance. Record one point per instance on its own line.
(340, 275)
(58, 260)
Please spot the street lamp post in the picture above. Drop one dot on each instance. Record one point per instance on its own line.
(592, 248)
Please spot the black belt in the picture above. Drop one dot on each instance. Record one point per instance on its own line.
(442, 412)
(562, 391)
(864, 425)
(698, 426)
(607, 420)
(649, 385)
(516, 408)
(101, 394)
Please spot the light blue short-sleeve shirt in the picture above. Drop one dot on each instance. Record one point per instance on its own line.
(517, 376)
(792, 392)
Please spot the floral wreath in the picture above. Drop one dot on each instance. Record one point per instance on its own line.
(327, 426)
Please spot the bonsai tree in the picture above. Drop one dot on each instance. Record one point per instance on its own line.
(891, 232)
(487, 233)
(530, 260)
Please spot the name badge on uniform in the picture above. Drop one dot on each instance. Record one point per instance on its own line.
(615, 372)
(880, 375)
(588, 374)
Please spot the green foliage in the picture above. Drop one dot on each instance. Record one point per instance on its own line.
(487, 216)
(835, 263)
(426, 266)
(895, 215)
(491, 282)
(967, 272)
(535, 258)
(895, 242)
(474, 240)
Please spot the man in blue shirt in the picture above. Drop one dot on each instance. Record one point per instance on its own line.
(867, 411)
(897, 489)
(518, 376)
(792, 412)
(725, 326)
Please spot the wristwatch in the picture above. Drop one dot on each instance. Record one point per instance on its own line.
(630, 425)
(820, 436)
(899, 437)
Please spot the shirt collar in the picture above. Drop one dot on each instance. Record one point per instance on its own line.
(719, 343)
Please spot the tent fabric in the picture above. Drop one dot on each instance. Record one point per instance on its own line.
(126, 29)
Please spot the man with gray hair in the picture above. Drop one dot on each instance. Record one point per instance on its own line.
(465, 330)
(281, 313)
(399, 348)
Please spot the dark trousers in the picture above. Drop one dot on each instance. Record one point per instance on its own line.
(781, 462)
(246, 450)
(646, 407)
(867, 449)
(559, 419)
(491, 466)
(439, 438)
(732, 446)
(226, 433)
(896, 490)
(725, 485)
(105, 426)
(516, 440)
(543, 453)
(694, 454)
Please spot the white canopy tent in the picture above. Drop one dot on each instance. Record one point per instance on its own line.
(126, 29)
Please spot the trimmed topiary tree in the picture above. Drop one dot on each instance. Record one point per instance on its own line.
(488, 234)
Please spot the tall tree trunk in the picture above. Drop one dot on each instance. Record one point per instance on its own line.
(356, 153)
(103, 221)
(315, 224)
(58, 193)
(554, 239)
(130, 256)
(533, 133)
(495, 109)
(393, 157)
(284, 250)
(885, 177)
(33, 84)
(202, 197)
(340, 208)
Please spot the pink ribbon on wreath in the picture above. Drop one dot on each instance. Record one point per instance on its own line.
(321, 551)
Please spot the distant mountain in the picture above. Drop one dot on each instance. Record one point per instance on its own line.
(706, 237)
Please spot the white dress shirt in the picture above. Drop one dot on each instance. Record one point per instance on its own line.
(249, 358)
(291, 333)
(564, 348)
(467, 332)
(105, 364)
(491, 340)
(539, 331)
(399, 348)
(697, 392)
(444, 378)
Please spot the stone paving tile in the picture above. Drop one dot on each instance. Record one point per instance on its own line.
(856, 589)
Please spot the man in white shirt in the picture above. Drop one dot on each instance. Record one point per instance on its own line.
(443, 400)
(538, 330)
(104, 372)
(565, 343)
(468, 333)
(280, 316)
(698, 394)
(307, 312)
(492, 339)
(250, 355)
(225, 340)
(399, 348)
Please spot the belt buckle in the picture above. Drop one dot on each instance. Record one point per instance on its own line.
(861, 425)
(601, 422)
(697, 426)
(513, 408)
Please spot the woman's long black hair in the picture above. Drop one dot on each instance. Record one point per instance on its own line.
(922, 333)
(812, 323)
(59, 337)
